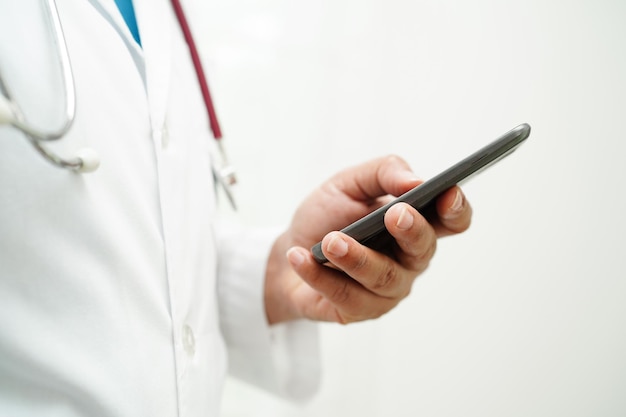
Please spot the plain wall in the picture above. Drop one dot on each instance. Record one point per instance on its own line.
(525, 314)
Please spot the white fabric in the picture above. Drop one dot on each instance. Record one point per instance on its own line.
(108, 280)
(245, 327)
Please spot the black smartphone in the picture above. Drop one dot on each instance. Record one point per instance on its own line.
(370, 229)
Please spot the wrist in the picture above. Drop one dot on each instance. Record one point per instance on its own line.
(280, 282)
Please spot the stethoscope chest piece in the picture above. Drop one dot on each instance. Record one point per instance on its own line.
(224, 175)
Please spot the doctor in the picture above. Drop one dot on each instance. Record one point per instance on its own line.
(121, 292)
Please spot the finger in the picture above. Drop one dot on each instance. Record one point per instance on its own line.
(415, 238)
(376, 272)
(336, 297)
(382, 176)
(454, 212)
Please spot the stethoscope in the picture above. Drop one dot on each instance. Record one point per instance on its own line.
(87, 160)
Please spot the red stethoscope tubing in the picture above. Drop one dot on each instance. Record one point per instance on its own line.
(197, 64)
(225, 175)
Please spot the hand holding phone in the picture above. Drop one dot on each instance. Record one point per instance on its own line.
(370, 230)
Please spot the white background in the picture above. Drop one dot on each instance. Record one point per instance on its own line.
(525, 314)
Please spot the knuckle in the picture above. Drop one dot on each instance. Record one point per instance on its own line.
(425, 255)
(393, 159)
(391, 162)
(421, 260)
(386, 278)
(341, 294)
(358, 262)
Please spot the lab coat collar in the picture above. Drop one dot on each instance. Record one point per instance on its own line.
(154, 19)
(109, 10)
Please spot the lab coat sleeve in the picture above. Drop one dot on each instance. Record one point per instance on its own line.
(282, 359)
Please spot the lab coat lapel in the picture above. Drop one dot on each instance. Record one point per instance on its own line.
(154, 19)
(153, 56)
(109, 10)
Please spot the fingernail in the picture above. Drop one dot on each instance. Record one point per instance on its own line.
(457, 205)
(295, 257)
(405, 220)
(337, 246)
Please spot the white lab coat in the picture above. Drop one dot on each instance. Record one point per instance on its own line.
(118, 294)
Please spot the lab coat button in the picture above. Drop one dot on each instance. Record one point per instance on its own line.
(161, 136)
(189, 341)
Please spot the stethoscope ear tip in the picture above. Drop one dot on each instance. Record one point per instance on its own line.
(90, 161)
